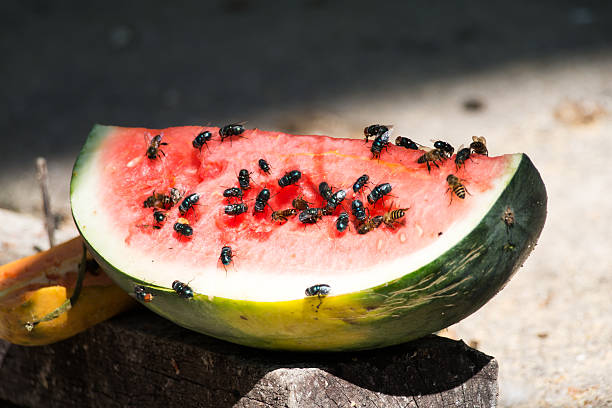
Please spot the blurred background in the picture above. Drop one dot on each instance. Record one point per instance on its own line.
(532, 77)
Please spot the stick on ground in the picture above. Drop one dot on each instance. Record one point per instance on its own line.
(43, 179)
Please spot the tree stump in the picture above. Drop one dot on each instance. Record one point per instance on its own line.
(140, 359)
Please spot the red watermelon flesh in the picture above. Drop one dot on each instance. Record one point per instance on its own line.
(268, 256)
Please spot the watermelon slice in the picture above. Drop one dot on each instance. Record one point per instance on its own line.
(293, 285)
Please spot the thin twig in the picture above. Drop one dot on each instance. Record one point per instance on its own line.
(43, 179)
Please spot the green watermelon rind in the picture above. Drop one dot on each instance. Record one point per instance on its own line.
(424, 301)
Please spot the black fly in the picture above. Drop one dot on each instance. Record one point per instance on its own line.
(462, 156)
(236, 209)
(318, 290)
(188, 203)
(262, 200)
(310, 216)
(342, 222)
(358, 210)
(378, 192)
(226, 257)
(232, 192)
(182, 289)
(360, 183)
(444, 147)
(183, 228)
(291, 177)
(325, 190)
(407, 143)
(335, 200)
(374, 131)
(202, 139)
(244, 179)
(380, 142)
(234, 129)
(264, 166)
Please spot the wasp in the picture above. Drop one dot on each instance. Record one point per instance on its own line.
(261, 200)
(446, 149)
(319, 290)
(182, 289)
(234, 129)
(378, 192)
(142, 294)
(264, 166)
(202, 139)
(291, 177)
(462, 155)
(183, 228)
(175, 195)
(283, 215)
(508, 218)
(226, 257)
(158, 200)
(188, 203)
(154, 148)
(455, 185)
(360, 183)
(310, 216)
(325, 190)
(244, 179)
(390, 218)
(479, 145)
(407, 143)
(370, 224)
(299, 203)
(232, 192)
(236, 209)
(374, 131)
(380, 142)
(342, 222)
(433, 156)
(358, 210)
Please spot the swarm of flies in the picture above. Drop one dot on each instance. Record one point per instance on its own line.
(358, 208)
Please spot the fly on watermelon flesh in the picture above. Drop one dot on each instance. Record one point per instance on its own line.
(437, 264)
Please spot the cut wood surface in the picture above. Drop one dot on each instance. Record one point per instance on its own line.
(140, 359)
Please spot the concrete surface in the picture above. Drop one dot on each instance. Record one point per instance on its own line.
(542, 74)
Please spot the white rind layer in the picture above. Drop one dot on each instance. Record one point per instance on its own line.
(252, 282)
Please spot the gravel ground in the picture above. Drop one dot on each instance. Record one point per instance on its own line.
(531, 78)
